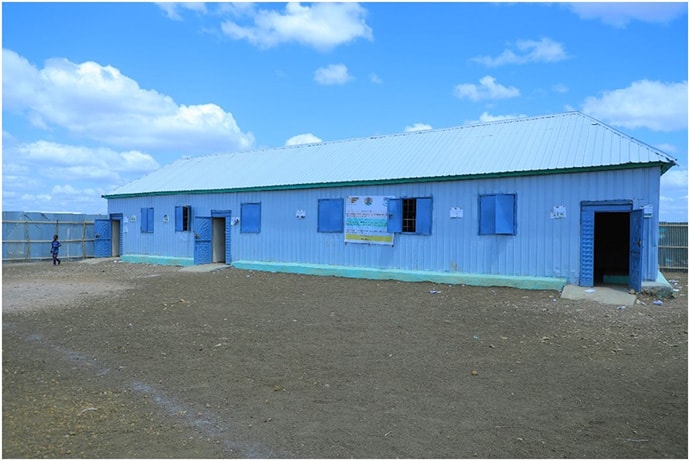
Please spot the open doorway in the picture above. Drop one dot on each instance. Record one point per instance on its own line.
(115, 238)
(218, 240)
(611, 248)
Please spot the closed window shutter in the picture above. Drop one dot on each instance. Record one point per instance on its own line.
(330, 215)
(146, 220)
(250, 218)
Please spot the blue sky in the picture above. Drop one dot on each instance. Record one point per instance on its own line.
(95, 95)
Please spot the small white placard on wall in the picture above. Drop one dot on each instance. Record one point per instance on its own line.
(648, 211)
(456, 212)
(558, 212)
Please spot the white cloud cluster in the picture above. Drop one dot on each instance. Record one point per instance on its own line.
(322, 26)
(96, 104)
(99, 103)
(543, 50)
(487, 89)
(306, 138)
(172, 9)
(674, 195)
(620, 14)
(648, 104)
(335, 74)
(418, 127)
(53, 176)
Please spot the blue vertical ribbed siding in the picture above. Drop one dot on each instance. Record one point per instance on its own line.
(542, 246)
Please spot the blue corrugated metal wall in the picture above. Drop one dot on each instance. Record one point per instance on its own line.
(543, 246)
(26, 236)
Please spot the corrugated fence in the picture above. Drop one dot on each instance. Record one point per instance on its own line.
(26, 236)
(673, 246)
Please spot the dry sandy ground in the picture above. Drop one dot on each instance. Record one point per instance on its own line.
(113, 360)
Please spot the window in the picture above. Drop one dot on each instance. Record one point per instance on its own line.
(331, 215)
(497, 214)
(183, 218)
(147, 220)
(409, 215)
(250, 218)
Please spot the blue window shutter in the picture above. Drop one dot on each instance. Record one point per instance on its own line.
(331, 215)
(487, 214)
(150, 219)
(250, 218)
(423, 219)
(146, 220)
(178, 219)
(395, 215)
(505, 214)
(143, 225)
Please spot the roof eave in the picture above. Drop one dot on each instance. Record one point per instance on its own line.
(664, 166)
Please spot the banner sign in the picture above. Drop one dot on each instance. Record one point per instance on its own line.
(366, 220)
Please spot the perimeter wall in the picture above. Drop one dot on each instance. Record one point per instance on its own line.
(26, 236)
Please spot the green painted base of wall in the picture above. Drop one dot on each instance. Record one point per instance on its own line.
(453, 278)
(162, 260)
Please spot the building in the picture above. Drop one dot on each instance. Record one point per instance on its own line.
(534, 203)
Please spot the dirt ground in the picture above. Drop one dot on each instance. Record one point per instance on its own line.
(116, 360)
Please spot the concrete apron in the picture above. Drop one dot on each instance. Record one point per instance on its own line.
(617, 296)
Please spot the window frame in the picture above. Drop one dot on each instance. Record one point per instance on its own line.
(183, 218)
(399, 215)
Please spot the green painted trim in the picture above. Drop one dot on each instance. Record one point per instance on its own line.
(378, 182)
(160, 260)
(453, 278)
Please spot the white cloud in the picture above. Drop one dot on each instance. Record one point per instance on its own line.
(322, 26)
(335, 74)
(648, 104)
(99, 103)
(620, 14)
(44, 175)
(674, 196)
(675, 177)
(488, 89)
(544, 50)
(78, 162)
(485, 117)
(374, 78)
(306, 138)
(560, 88)
(418, 127)
(172, 9)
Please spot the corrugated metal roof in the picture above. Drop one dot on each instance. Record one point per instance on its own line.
(543, 144)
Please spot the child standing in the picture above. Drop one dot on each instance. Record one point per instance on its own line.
(54, 249)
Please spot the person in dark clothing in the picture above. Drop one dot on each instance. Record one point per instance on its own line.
(55, 249)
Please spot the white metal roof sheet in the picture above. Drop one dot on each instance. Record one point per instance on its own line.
(559, 142)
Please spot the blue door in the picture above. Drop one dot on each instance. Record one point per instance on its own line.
(102, 245)
(203, 243)
(587, 247)
(636, 247)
